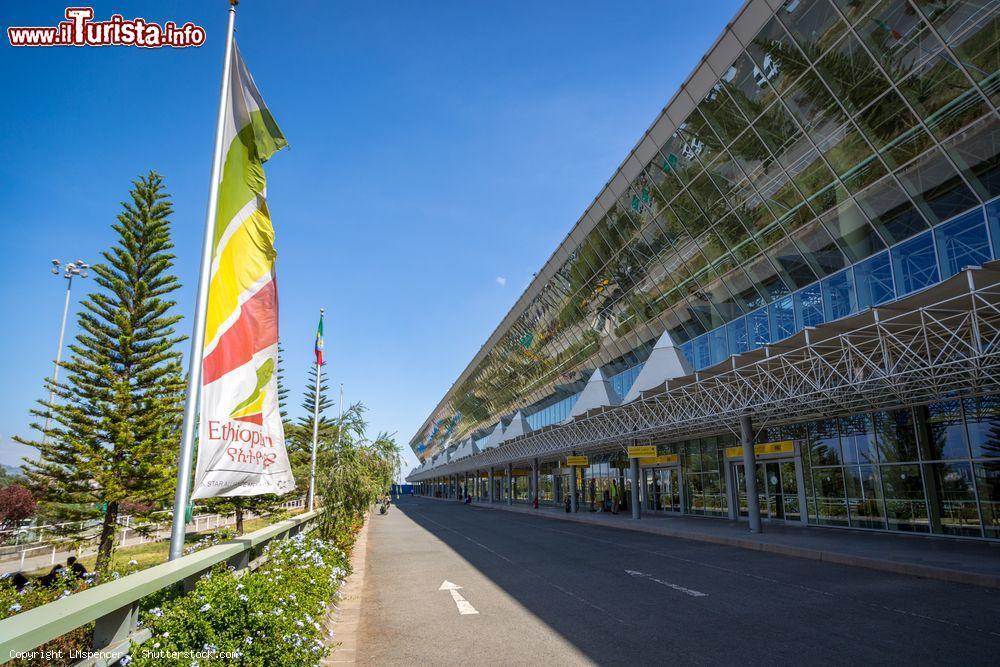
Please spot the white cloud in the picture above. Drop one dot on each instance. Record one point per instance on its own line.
(501, 281)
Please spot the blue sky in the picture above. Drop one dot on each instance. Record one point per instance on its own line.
(439, 153)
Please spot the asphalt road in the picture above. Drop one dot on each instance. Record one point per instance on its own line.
(554, 593)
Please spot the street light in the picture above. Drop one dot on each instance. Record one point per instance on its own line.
(68, 271)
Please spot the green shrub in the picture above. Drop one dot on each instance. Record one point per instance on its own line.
(269, 617)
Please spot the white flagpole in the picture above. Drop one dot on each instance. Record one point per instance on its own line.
(183, 490)
(312, 467)
(340, 420)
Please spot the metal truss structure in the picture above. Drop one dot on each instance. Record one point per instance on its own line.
(944, 341)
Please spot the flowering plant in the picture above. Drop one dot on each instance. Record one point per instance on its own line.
(269, 616)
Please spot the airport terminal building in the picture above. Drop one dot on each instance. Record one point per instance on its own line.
(785, 303)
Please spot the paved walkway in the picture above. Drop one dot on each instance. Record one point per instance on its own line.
(342, 623)
(448, 584)
(961, 561)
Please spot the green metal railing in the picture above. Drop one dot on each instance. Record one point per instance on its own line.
(113, 606)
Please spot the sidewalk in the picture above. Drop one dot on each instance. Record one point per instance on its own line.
(341, 623)
(960, 561)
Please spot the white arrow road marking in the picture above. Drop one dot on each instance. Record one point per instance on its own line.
(687, 591)
(463, 605)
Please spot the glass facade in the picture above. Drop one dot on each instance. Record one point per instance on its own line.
(847, 156)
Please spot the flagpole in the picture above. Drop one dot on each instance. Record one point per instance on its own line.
(340, 420)
(182, 491)
(312, 467)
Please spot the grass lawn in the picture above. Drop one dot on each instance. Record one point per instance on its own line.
(154, 553)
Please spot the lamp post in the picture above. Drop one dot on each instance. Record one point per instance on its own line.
(68, 271)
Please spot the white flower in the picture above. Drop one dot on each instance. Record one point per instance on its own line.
(239, 587)
(248, 641)
(156, 645)
(125, 659)
(133, 562)
(15, 607)
(243, 598)
(157, 612)
(205, 607)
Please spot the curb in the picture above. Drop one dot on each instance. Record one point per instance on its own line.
(344, 616)
(895, 567)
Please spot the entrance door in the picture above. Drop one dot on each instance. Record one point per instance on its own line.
(777, 490)
(663, 491)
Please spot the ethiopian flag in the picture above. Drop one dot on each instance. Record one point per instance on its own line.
(241, 443)
(319, 342)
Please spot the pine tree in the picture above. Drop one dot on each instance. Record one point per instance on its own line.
(300, 446)
(116, 415)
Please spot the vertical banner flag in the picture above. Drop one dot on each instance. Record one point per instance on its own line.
(241, 441)
(319, 342)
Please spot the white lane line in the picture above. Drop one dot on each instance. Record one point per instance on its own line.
(687, 591)
(463, 605)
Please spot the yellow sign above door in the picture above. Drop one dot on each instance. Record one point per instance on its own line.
(658, 460)
(643, 451)
(763, 449)
(577, 461)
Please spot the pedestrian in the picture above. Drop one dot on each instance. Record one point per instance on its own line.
(76, 567)
(50, 578)
(614, 497)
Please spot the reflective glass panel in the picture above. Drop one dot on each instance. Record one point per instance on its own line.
(747, 86)
(857, 439)
(988, 486)
(976, 151)
(850, 229)
(782, 318)
(864, 497)
(955, 496)
(824, 443)
(942, 96)
(962, 242)
(993, 221)
(945, 431)
(719, 345)
(982, 420)
(839, 299)
(914, 264)
(891, 211)
(737, 330)
(829, 500)
(819, 249)
(852, 75)
(898, 38)
(936, 187)
(893, 130)
(758, 332)
(896, 435)
(809, 306)
(906, 507)
(873, 281)
(814, 24)
(972, 30)
(778, 60)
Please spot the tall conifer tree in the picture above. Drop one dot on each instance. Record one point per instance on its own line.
(116, 415)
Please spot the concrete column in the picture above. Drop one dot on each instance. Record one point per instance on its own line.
(534, 479)
(491, 485)
(750, 473)
(510, 484)
(634, 462)
(572, 489)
